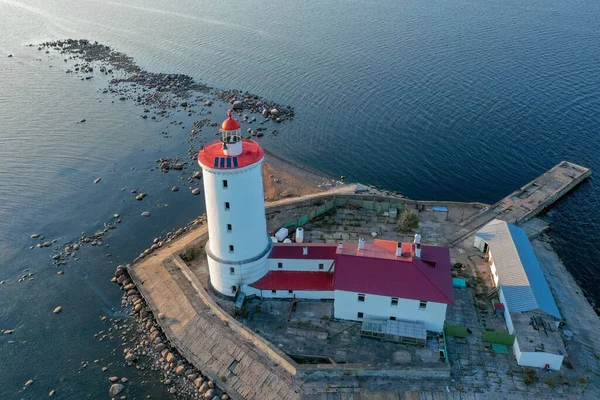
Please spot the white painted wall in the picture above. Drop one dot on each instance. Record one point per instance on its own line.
(248, 234)
(299, 294)
(537, 359)
(507, 318)
(299, 265)
(346, 306)
(479, 243)
(246, 215)
(493, 269)
(222, 279)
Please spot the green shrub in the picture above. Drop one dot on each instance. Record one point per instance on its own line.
(530, 376)
(408, 221)
(191, 252)
(550, 382)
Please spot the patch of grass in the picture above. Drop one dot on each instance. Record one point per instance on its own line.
(563, 380)
(191, 252)
(408, 221)
(223, 378)
(583, 380)
(530, 376)
(550, 381)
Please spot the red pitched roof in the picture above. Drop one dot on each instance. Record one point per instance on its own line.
(295, 280)
(316, 251)
(377, 270)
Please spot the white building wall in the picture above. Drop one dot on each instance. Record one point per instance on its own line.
(299, 265)
(299, 294)
(507, 318)
(223, 279)
(246, 214)
(347, 306)
(537, 359)
(248, 234)
(479, 243)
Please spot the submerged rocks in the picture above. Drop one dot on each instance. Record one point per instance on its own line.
(57, 310)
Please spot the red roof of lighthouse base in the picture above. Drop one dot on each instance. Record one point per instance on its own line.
(212, 156)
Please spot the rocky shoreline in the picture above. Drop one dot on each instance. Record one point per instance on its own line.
(150, 348)
(160, 90)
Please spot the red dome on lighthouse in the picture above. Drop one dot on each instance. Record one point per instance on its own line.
(230, 124)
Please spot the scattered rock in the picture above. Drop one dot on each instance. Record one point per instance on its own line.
(97, 180)
(124, 380)
(35, 235)
(196, 191)
(57, 310)
(174, 189)
(115, 389)
(60, 272)
(52, 393)
(113, 379)
(29, 383)
(145, 214)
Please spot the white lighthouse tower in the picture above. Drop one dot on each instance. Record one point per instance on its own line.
(238, 244)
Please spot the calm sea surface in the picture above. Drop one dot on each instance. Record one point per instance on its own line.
(449, 100)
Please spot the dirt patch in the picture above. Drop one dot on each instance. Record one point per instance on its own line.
(282, 179)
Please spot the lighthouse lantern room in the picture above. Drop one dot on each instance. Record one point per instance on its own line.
(238, 244)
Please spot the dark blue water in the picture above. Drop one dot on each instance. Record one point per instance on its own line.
(463, 100)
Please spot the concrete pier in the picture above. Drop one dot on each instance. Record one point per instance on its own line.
(529, 200)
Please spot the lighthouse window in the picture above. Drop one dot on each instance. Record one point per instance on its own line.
(422, 305)
(361, 297)
(321, 266)
(228, 227)
(224, 183)
(231, 248)
(233, 288)
(227, 205)
(232, 270)
(394, 301)
(359, 315)
(279, 265)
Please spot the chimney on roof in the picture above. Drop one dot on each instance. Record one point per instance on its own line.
(417, 243)
(399, 250)
(361, 244)
(305, 251)
(341, 245)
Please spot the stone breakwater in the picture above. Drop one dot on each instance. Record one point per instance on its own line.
(161, 90)
(151, 344)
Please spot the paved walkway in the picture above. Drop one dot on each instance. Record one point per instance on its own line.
(201, 336)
